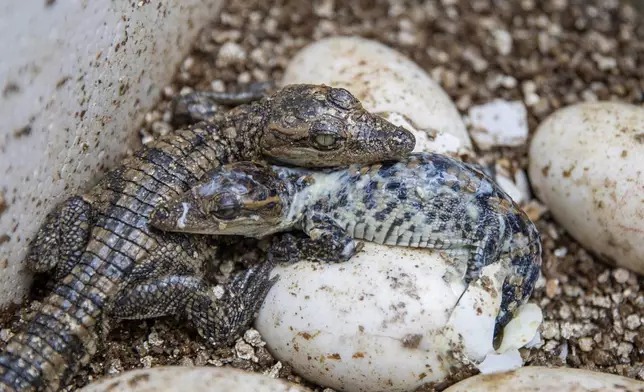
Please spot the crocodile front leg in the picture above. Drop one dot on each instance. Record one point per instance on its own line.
(179, 255)
(325, 242)
(204, 105)
(62, 238)
(218, 320)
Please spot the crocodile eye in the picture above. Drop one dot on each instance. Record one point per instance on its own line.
(327, 134)
(224, 205)
(325, 140)
(342, 98)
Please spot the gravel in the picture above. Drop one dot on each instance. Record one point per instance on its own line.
(546, 54)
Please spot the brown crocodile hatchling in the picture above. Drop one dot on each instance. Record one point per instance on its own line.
(102, 250)
(426, 200)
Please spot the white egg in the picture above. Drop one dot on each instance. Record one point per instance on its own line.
(544, 379)
(387, 83)
(389, 319)
(587, 167)
(194, 379)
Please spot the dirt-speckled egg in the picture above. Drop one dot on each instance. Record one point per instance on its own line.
(390, 319)
(587, 166)
(544, 379)
(194, 379)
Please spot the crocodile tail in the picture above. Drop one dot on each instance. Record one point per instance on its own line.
(525, 264)
(57, 340)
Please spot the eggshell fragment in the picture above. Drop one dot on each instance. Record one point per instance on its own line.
(587, 167)
(499, 123)
(522, 328)
(388, 84)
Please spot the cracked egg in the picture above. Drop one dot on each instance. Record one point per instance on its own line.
(389, 319)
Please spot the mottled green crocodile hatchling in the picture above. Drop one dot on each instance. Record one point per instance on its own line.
(107, 260)
(426, 200)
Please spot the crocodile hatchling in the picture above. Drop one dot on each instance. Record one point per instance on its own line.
(426, 200)
(109, 262)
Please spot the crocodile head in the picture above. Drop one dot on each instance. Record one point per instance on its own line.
(241, 198)
(321, 126)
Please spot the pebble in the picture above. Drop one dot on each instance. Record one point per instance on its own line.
(161, 128)
(387, 83)
(147, 361)
(503, 42)
(154, 339)
(547, 379)
(534, 210)
(478, 63)
(189, 378)
(5, 334)
(254, 338)
(530, 96)
(633, 322)
(218, 85)
(230, 53)
(245, 351)
(552, 287)
(550, 330)
(621, 275)
(585, 166)
(586, 344)
(114, 367)
(389, 319)
(499, 123)
(624, 349)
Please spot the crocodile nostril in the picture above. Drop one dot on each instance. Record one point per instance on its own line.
(405, 138)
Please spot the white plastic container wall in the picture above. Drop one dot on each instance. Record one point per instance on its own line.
(76, 78)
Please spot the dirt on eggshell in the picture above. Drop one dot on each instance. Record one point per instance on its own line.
(547, 54)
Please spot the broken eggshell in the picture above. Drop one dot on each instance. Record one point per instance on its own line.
(388, 84)
(586, 166)
(390, 319)
(499, 123)
(194, 379)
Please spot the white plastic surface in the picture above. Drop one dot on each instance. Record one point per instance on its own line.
(80, 74)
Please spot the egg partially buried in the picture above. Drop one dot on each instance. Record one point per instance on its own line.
(387, 83)
(587, 167)
(544, 379)
(389, 319)
(194, 379)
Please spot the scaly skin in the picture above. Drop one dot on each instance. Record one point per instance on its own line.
(426, 200)
(109, 262)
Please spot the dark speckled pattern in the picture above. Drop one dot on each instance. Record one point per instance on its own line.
(427, 200)
(434, 201)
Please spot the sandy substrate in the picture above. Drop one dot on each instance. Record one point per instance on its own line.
(548, 55)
